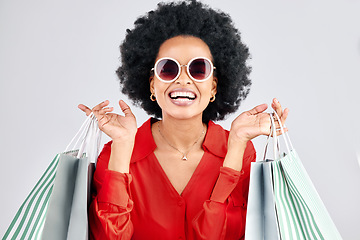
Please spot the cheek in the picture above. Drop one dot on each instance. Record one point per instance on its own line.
(160, 89)
(206, 89)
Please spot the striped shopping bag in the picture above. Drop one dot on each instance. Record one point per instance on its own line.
(59, 201)
(283, 203)
(301, 212)
(29, 220)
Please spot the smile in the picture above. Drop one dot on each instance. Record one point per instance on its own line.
(182, 97)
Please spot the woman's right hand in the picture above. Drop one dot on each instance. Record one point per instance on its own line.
(118, 128)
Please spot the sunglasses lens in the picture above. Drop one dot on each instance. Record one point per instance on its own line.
(167, 69)
(200, 68)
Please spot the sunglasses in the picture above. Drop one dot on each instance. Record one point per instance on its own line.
(168, 69)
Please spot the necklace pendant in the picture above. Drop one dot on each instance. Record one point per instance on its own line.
(184, 158)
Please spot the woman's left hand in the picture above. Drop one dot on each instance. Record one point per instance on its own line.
(256, 122)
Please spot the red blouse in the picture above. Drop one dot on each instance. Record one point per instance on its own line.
(144, 205)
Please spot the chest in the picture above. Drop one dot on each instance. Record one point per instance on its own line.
(159, 208)
(178, 171)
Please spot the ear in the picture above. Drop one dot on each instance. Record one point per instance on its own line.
(151, 81)
(214, 86)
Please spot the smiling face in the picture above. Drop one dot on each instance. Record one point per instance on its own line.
(183, 98)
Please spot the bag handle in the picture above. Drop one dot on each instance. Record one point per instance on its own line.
(285, 134)
(92, 141)
(82, 131)
(276, 140)
(87, 139)
(275, 137)
(275, 145)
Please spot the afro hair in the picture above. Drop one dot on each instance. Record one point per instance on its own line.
(141, 45)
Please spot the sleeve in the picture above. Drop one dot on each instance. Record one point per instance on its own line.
(109, 212)
(212, 220)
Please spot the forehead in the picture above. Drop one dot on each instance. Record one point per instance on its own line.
(184, 48)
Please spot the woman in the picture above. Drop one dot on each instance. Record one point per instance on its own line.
(181, 177)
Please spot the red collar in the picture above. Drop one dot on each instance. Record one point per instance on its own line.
(215, 141)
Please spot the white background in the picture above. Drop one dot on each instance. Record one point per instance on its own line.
(57, 54)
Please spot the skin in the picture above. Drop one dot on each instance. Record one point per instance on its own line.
(181, 126)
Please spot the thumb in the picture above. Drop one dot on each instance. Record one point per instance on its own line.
(125, 109)
(258, 109)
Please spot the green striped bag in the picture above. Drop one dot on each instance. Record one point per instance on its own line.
(283, 204)
(38, 216)
(29, 220)
(300, 210)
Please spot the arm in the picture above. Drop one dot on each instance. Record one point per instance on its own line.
(109, 213)
(211, 223)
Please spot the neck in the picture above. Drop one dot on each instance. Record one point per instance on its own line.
(182, 133)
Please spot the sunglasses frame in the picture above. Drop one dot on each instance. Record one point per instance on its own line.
(187, 69)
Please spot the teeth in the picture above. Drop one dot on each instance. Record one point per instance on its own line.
(182, 95)
(183, 99)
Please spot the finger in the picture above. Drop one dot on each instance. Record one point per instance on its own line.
(105, 110)
(125, 109)
(100, 115)
(258, 109)
(279, 132)
(278, 127)
(277, 107)
(101, 105)
(106, 118)
(284, 115)
(85, 109)
(97, 110)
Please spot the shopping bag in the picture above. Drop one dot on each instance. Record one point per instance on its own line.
(300, 212)
(68, 200)
(261, 219)
(57, 206)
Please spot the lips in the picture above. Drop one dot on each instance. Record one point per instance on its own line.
(182, 97)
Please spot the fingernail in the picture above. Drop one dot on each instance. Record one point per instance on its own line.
(276, 100)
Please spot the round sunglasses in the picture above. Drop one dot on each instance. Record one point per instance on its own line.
(168, 69)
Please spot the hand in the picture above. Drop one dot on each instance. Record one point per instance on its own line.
(255, 122)
(118, 128)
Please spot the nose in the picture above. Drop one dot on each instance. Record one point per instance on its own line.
(184, 78)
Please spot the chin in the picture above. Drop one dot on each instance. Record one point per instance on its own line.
(182, 115)
(193, 111)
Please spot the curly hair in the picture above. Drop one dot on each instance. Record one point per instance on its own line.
(190, 17)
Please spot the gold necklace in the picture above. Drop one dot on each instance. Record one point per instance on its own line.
(183, 153)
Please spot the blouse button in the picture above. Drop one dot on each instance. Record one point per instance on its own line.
(180, 202)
